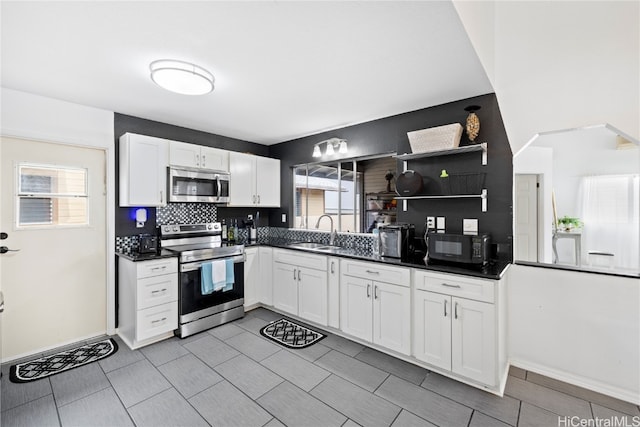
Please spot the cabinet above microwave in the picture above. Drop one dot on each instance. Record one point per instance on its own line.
(192, 156)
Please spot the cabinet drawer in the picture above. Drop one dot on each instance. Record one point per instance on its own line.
(459, 286)
(377, 271)
(152, 291)
(154, 321)
(300, 259)
(157, 267)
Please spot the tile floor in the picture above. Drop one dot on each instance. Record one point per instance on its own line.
(232, 376)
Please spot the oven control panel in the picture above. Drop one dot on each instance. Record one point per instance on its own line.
(186, 229)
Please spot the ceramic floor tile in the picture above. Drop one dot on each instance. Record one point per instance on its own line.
(224, 405)
(285, 403)
(78, 383)
(253, 346)
(360, 373)
(311, 353)
(426, 404)
(18, 394)
(584, 394)
(296, 370)
(164, 351)
(40, 412)
(350, 423)
(265, 314)
(623, 419)
(407, 419)
(478, 419)
(166, 409)
(503, 408)
(211, 350)
(551, 400)
(137, 382)
(248, 375)
(102, 409)
(252, 324)
(189, 375)
(225, 331)
(518, 372)
(123, 357)
(274, 423)
(532, 416)
(343, 345)
(399, 368)
(359, 405)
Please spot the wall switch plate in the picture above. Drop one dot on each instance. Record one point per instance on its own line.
(431, 222)
(440, 223)
(470, 226)
(284, 217)
(249, 216)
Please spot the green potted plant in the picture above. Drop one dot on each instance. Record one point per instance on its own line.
(567, 223)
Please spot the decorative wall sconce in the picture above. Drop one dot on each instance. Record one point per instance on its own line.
(332, 145)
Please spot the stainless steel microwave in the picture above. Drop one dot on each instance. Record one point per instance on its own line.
(459, 248)
(190, 185)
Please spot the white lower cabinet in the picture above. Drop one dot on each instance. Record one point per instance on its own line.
(265, 282)
(454, 332)
(251, 277)
(333, 292)
(375, 310)
(300, 284)
(147, 300)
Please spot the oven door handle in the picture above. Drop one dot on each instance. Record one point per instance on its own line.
(191, 266)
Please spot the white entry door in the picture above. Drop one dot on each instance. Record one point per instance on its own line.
(52, 206)
(526, 218)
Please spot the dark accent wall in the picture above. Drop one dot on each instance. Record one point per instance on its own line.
(124, 223)
(390, 135)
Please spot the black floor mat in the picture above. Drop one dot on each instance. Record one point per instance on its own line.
(62, 361)
(291, 334)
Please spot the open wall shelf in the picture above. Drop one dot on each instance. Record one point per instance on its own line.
(458, 150)
(482, 196)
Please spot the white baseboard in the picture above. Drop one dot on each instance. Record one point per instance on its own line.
(39, 351)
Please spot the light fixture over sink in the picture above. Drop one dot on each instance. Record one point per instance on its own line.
(181, 77)
(332, 144)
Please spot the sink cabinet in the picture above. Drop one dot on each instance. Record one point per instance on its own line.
(300, 284)
(375, 304)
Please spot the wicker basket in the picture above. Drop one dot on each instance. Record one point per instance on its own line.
(434, 139)
(463, 183)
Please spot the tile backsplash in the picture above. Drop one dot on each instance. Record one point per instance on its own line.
(186, 213)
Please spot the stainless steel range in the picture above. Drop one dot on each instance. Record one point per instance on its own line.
(201, 307)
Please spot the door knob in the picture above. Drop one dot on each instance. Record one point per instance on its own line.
(4, 250)
(3, 235)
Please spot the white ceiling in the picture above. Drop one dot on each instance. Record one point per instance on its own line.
(283, 69)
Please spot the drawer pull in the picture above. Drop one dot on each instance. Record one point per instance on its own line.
(158, 320)
(373, 272)
(158, 291)
(158, 268)
(450, 286)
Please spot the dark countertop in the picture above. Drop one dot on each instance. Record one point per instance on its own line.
(494, 270)
(135, 257)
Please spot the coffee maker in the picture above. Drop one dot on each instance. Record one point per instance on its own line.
(396, 241)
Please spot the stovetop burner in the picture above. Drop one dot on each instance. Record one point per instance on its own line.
(197, 242)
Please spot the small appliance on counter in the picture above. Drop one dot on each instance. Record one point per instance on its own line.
(396, 241)
(147, 244)
(458, 248)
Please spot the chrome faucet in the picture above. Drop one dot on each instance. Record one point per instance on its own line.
(334, 233)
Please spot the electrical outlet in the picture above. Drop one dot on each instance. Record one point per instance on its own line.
(249, 216)
(470, 226)
(284, 217)
(431, 222)
(440, 223)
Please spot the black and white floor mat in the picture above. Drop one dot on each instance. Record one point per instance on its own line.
(62, 361)
(290, 334)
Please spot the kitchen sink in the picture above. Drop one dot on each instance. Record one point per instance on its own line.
(320, 247)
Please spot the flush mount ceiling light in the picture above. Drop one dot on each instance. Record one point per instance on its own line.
(181, 77)
(332, 144)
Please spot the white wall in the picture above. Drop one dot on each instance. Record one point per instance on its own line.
(581, 328)
(24, 115)
(558, 65)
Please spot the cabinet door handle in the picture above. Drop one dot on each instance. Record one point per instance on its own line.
(197, 160)
(368, 291)
(332, 267)
(445, 308)
(204, 160)
(294, 274)
(161, 197)
(455, 310)
(253, 199)
(258, 199)
(375, 292)
(373, 272)
(450, 286)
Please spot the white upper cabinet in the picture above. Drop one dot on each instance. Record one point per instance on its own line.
(143, 170)
(255, 180)
(198, 156)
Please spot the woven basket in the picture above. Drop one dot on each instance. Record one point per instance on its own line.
(464, 183)
(434, 139)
